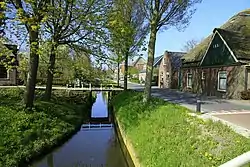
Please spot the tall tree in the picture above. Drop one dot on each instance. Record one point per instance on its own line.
(2, 17)
(128, 30)
(30, 14)
(72, 21)
(161, 15)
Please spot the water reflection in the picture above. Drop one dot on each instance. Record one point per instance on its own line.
(100, 107)
(89, 147)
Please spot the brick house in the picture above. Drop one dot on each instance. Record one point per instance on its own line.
(220, 64)
(169, 66)
(140, 63)
(8, 77)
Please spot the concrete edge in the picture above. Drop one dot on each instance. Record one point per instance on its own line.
(127, 144)
(238, 129)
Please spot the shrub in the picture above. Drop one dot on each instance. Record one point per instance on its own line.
(245, 95)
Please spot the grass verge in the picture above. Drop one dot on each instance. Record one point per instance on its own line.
(164, 134)
(27, 135)
(135, 80)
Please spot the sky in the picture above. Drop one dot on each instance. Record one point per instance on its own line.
(210, 14)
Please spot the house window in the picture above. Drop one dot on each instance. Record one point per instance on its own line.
(164, 61)
(3, 72)
(215, 45)
(189, 80)
(222, 80)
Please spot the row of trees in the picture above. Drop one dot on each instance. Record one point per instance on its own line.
(135, 19)
(67, 68)
(110, 30)
(75, 23)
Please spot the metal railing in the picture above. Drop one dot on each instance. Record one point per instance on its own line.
(100, 125)
(239, 161)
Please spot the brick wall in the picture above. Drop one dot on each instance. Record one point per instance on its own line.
(169, 75)
(209, 85)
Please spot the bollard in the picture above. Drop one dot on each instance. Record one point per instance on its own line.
(198, 105)
(101, 86)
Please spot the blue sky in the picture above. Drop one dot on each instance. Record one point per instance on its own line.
(209, 15)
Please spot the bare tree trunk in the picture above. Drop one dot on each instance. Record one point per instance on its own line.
(50, 72)
(126, 71)
(118, 75)
(33, 66)
(149, 70)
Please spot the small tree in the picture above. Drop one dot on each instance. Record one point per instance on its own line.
(133, 71)
(127, 30)
(162, 14)
(190, 44)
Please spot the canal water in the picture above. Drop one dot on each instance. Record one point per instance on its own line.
(90, 147)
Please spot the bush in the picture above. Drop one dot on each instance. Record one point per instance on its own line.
(245, 95)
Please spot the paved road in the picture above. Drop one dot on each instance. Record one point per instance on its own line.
(236, 113)
(209, 104)
(66, 88)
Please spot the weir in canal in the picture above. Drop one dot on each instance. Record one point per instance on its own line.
(95, 145)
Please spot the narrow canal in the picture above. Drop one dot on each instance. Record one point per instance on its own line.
(92, 146)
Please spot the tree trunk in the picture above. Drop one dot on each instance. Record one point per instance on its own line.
(50, 72)
(126, 72)
(118, 75)
(149, 70)
(33, 66)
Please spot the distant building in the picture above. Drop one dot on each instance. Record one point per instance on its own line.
(169, 70)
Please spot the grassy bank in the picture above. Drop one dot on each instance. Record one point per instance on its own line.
(28, 134)
(163, 134)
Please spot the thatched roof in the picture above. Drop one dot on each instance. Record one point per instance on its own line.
(236, 33)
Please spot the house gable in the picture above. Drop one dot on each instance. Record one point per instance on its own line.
(139, 61)
(218, 53)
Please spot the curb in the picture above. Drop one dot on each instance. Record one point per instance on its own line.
(238, 129)
(130, 150)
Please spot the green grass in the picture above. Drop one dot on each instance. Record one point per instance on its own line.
(26, 134)
(164, 134)
(135, 80)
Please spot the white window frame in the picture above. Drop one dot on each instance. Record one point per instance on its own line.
(164, 63)
(8, 74)
(218, 83)
(203, 75)
(189, 86)
(216, 45)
